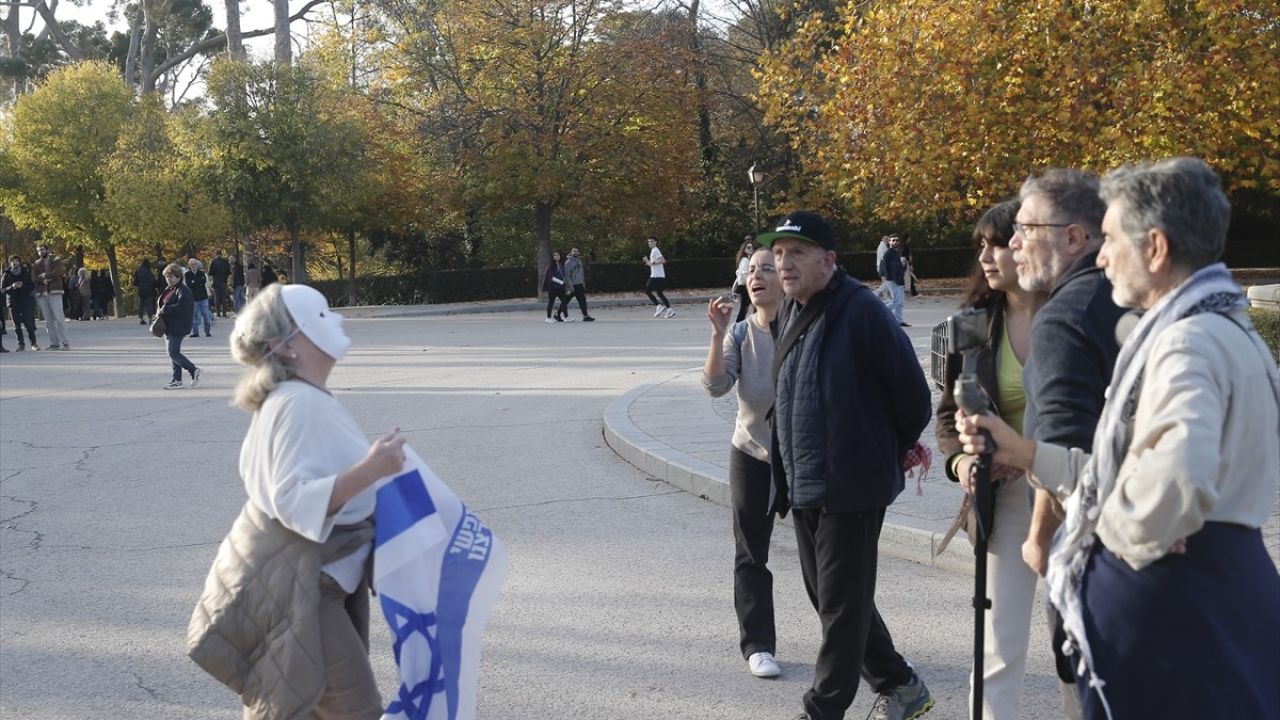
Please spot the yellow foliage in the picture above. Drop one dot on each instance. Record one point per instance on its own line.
(921, 106)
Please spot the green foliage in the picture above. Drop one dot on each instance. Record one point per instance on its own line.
(152, 195)
(63, 133)
(279, 147)
(1268, 324)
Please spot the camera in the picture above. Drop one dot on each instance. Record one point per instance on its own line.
(967, 330)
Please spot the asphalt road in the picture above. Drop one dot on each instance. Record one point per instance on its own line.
(114, 495)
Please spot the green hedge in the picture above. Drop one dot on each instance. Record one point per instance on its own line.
(448, 286)
(1268, 324)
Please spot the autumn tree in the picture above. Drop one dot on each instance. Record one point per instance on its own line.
(525, 106)
(929, 111)
(152, 195)
(279, 146)
(63, 133)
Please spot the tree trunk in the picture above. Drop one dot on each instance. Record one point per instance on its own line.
(113, 266)
(707, 150)
(148, 59)
(235, 42)
(542, 212)
(351, 261)
(284, 46)
(51, 24)
(135, 41)
(13, 37)
(298, 268)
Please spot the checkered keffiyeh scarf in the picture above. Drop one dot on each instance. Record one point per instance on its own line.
(1210, 289)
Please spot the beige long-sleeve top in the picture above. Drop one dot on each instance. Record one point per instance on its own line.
(1206, 442)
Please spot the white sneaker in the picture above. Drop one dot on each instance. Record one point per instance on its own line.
(670, 313)
(195, 376)
(763, 666)
(569, 318)
(174, 385)
(549, 320)
(661, 309)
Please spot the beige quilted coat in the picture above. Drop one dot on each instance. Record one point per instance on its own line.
(256, 628)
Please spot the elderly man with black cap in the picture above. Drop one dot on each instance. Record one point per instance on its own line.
(851, 400)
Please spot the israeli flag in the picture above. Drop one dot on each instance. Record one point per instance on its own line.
(438, 572)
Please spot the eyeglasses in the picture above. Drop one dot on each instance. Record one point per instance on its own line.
(1022, 228)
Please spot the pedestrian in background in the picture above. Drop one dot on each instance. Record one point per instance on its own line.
(177, 308)
(104, 293)
(198, 283)
(48, 275)
(219, 274)
(576, 279)
(893, 278)
(553, 285)
(657, 280)
(993, 287)
(237, 284)
(80, 292)
(144, 281)
(739, 287)
(742, 355)
(252, 278)
(268, 274)
(1168, 597)
(18, 287)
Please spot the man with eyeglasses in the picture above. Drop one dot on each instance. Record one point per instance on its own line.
(1056, 238)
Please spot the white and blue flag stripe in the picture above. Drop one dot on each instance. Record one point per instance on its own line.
(438, 572)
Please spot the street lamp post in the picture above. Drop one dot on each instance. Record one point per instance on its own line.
(756, 177)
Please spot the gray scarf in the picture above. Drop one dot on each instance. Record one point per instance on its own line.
(1210, 289)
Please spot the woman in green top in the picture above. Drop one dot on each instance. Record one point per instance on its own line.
(1011, 582)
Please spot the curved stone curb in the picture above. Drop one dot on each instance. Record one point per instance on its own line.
(711, 482)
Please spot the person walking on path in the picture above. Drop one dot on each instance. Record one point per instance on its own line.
(18, 287)
(252, 278)
(745, 252)
(310, 474)
(237, 284)
(850, 403)
(576, 279)
(1012, 585)
(912, 283)
(553, 285)
(893, 278)
(268, 275)
(177, 308)
(1160, 572)
(657, 281)
(220, 273)
(144, 281)
(104, 293)
(48, 275)
(743, 356)
(198, 283)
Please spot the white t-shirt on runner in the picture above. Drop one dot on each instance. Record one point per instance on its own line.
(656, 268)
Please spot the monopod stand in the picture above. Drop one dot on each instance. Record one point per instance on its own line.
(971, 398)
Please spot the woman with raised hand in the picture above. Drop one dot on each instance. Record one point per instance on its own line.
(742, 354)
(296, 557)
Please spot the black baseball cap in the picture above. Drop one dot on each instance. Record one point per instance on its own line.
(803, 224)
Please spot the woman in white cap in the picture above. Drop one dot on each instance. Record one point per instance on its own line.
(284, 616)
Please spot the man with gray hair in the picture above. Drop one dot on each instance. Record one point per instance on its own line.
(1167, 593)
(1057, 234)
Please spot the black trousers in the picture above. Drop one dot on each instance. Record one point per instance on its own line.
(749, 483)
(221, 300)
(556, 293)
(147, 305)
(580, 293)
(656, 285)
(838, 554)
(23, 313)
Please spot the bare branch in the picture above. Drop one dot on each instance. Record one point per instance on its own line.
(217, 42)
